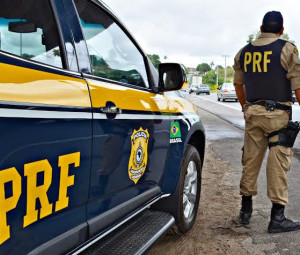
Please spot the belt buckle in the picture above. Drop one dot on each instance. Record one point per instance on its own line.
(270, 105)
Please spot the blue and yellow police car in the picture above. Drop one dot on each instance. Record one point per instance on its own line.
(95, 143)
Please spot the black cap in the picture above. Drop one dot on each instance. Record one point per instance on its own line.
(272, 22)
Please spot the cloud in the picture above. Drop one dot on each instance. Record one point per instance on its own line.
(193, 31)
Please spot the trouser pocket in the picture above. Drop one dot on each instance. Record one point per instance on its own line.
(285, 157)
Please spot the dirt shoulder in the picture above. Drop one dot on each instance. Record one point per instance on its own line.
(214, 231)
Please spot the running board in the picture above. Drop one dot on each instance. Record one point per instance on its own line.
(135, 236)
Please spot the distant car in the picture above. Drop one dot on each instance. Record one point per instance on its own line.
(226, 91)
(193, 88)
(203, 88)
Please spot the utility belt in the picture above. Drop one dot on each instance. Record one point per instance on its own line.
(286, 136)
(271, 105)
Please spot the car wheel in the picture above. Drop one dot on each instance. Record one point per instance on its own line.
(190, 187)
(236, 100)
(183, 203)
(208, 93)
(218, 99)
(223, 100)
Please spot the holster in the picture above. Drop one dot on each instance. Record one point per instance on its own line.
(286, 136)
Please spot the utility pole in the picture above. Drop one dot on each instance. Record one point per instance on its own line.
(225, 56)
(217, 73)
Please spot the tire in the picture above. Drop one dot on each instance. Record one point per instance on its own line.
(188, 188)
(218, 99)
(208, 93)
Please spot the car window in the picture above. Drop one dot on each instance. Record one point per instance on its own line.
(228, 86)
(113, 55)
(28, 30)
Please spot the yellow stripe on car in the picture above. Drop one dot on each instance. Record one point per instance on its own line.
(24, 85)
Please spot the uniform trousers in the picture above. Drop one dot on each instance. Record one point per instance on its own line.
(258, 124)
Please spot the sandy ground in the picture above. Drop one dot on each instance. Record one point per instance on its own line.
(214, 231)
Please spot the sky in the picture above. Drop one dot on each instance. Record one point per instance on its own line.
(196, 31)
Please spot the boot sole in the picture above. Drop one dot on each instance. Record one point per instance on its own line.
(274, 231)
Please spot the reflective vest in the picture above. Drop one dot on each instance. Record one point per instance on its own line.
(264, 76)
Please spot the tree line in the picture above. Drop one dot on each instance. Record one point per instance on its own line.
(209, 74)
(155, 59)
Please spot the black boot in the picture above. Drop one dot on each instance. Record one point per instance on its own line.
(246, 210)
(278, 221)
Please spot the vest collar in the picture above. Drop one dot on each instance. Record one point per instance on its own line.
(267, 35)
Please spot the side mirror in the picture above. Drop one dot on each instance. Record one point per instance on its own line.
(22, 27)
(171, 76)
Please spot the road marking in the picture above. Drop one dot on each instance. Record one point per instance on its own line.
(232, 107)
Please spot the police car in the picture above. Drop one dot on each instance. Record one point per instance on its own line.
(95, 144)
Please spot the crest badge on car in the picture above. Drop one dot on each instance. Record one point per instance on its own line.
(139, 154)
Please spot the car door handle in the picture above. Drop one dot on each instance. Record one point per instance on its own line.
(110, 110)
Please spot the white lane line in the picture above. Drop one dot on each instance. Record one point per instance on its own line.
(295, 108)
(232, 107)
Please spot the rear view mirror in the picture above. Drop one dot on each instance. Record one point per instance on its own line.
(22, 27)
(171, 76)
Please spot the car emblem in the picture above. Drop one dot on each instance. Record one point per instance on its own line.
(139, 154)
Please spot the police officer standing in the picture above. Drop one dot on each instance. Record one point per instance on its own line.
(266, 71)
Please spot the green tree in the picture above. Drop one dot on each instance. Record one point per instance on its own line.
(219, 67)
(255, 35)
(203, 68)
(56, 52)
(285, 36)
(209, 78)
(155, 59)
(27, 56)
(250, 38)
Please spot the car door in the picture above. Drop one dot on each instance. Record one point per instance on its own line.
(130, 122)
(45, 132)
